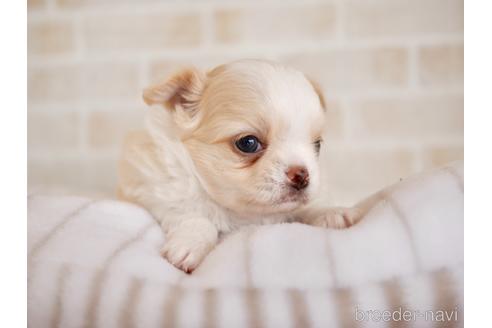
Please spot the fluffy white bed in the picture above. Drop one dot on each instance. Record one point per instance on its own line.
(96, 263)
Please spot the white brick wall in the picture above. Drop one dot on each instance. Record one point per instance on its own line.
(392, 72)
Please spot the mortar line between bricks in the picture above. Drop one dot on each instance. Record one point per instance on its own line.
(214, 49)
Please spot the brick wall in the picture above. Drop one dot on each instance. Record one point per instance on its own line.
(392, 72)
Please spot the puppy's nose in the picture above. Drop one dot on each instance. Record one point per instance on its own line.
(298, 177)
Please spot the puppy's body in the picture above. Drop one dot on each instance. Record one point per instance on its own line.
(235, 146)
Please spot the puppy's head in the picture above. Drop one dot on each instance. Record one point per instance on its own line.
(253, 129)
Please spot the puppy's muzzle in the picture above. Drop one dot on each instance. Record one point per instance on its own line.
(298, 177)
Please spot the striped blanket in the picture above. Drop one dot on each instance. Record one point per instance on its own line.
(96, 263)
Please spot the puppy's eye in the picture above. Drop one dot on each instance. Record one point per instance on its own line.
(249, 144)
(317, 145)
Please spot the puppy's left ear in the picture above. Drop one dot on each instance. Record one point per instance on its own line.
(318, 91)
(181, 92)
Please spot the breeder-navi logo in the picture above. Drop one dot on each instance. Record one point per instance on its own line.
(406, 315)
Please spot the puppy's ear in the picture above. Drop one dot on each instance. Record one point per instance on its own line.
(318, 91)
(182, 91)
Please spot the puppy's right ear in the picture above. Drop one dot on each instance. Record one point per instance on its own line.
(183, 90)
(318, 91)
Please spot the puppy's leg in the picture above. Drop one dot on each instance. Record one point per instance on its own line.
(318, 214)
(188, 242)
(331, 217)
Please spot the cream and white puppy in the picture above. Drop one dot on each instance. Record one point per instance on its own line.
(235, 146)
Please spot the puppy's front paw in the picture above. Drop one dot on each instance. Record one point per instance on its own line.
(185, 254)
(187, 246)
(338, 218)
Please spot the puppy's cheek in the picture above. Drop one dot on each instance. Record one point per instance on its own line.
(314, 190)
(314, 184)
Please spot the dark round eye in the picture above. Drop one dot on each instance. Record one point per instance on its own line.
(248, 144)
(317, 145)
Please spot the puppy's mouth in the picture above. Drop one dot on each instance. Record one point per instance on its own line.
(294, 196)
(287, 199)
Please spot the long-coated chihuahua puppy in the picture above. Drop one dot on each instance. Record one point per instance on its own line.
(234, 146)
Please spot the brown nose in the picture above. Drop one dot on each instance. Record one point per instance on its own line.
(298, 177)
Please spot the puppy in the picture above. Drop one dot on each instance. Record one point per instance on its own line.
(235, 146)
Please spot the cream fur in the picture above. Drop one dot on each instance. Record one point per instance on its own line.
(185, 169)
